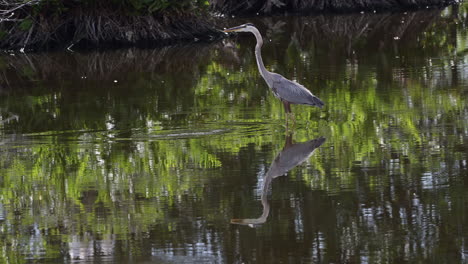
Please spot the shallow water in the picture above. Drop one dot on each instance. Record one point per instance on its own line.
(181, 154)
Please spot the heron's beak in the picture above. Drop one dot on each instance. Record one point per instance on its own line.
(233, 29)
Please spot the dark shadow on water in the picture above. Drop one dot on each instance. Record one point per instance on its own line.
(291, 156)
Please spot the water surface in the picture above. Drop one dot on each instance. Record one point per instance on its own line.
(181, 154)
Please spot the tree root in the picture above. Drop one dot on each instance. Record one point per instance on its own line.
(246, 7)
(107, 29)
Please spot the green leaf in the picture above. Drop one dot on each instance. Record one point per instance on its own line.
(3, 34)
(26, 24)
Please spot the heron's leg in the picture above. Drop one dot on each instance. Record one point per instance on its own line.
(290, 124)
(287, 106)
(288, 138)
(289, 114)
(287, 109)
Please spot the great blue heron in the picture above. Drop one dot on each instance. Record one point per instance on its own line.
(291, 156)
(289, 92)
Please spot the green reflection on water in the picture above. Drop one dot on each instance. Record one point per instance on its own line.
(146, 155)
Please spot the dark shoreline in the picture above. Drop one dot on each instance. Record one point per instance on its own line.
(269, 7)
(82, 29)
(110, 30)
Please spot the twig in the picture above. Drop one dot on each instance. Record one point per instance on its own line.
(27, 38)
(16, 5)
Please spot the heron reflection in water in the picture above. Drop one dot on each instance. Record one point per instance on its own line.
(291, 156)
(289, 92)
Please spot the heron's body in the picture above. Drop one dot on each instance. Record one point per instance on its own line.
(289, 92)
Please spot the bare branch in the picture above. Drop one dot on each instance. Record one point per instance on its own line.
(8, 7)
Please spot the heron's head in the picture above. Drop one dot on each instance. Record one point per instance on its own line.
(242, 28)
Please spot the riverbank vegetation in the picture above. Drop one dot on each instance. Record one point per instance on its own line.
(45, 24)
(245, 7)
(57, 23)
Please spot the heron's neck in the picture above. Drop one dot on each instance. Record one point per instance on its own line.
(258, 53)
(266, 206)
